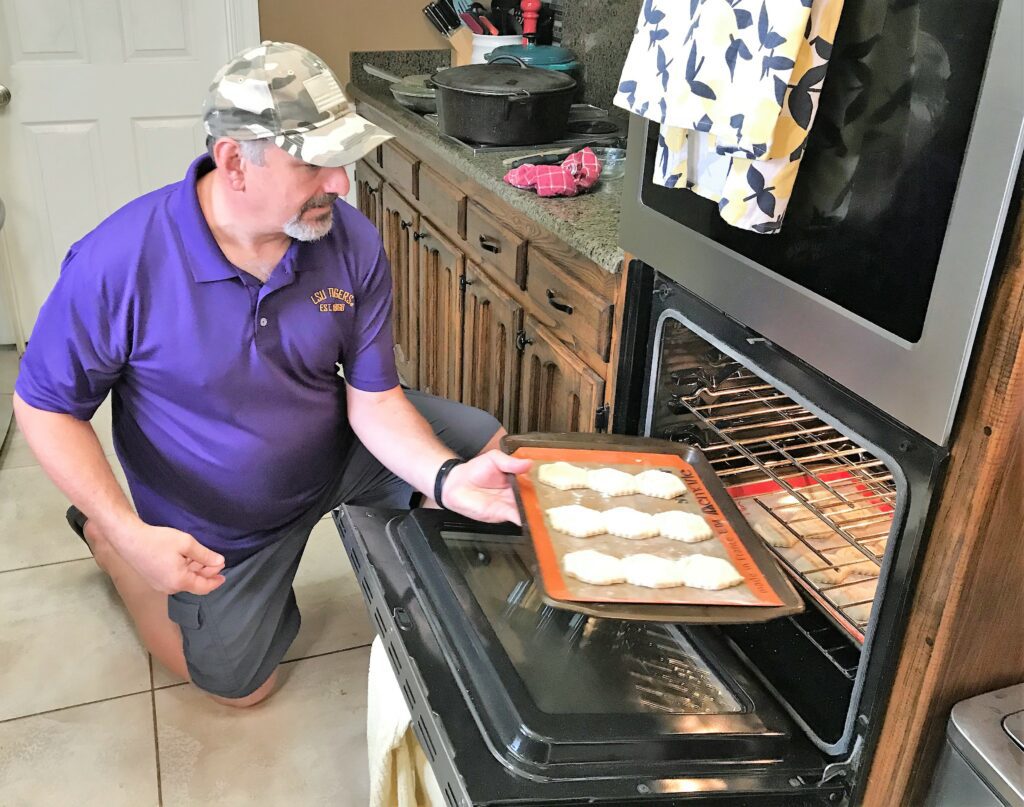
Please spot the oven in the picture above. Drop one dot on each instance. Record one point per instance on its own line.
(819, 369)
(878, 275)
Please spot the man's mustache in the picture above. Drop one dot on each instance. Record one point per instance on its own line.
(324, 200)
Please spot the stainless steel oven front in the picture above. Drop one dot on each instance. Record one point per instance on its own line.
(879, 273)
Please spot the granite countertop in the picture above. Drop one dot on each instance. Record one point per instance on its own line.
(589, 223)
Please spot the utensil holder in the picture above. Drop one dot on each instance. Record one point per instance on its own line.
(482, 44)
(462, 46)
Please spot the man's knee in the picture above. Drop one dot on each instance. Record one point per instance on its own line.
(260, 694)
(495, 441)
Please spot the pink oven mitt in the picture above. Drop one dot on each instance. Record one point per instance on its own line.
(578, 172)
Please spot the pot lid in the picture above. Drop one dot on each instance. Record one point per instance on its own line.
(537, 55)
(503, 79)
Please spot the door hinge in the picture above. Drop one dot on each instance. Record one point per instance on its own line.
(842, 770)
(601, 418)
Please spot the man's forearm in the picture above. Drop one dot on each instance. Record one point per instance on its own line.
(396, 433)
(71, 455)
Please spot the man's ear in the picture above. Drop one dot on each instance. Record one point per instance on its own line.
(228, 158)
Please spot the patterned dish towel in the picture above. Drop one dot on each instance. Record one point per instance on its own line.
(734, 85)
(578, 172)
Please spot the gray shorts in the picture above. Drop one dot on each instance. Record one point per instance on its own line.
(236, 635)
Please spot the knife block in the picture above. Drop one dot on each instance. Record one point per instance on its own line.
(461, 41)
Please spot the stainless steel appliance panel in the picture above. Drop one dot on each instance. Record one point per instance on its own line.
(918, 383)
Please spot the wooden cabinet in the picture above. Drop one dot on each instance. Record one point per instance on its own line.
(401, 168)
(579, 309)
(443, 202)
(495, 244)
(401, 222)
(490, 361)
(559, 392)
(441, 267)
(482, 313)
(369, 193)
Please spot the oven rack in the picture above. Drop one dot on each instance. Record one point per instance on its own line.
(830, 497)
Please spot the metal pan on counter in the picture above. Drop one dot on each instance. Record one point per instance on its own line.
(765, 593)
(503, 104)
(412, 92)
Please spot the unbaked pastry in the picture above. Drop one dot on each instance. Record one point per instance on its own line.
(611, 482)
(576, 520)
(562, 475)
(593, 567)
(704, 571)
(652, 571)
(681, 526)
(626, 522)
(660, 484)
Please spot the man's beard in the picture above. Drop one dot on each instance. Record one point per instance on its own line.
(314, 229)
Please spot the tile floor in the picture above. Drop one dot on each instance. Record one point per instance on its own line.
(88, 718)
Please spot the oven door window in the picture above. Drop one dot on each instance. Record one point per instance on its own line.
(574, 664)
(868, 213)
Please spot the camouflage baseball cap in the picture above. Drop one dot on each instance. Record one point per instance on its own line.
(283, 91)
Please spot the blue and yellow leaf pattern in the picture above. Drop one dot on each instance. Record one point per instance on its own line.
(735, 85)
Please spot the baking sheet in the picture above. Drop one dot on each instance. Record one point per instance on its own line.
(551, 545)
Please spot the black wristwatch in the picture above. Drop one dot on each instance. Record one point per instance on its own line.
(442, 475)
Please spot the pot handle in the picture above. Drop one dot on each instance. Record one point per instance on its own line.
(509, 57)
(518, 97)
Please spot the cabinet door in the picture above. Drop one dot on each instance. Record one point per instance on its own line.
(440, 308)
(401, 221)
(560, 393)
(369, 189)
(490, 364)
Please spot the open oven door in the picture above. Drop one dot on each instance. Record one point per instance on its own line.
(518, 703)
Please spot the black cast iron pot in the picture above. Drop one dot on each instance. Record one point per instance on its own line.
(503, 104)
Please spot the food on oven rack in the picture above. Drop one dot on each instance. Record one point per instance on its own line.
(576, 520)
(830, 566)
(653, 571)
(594, 567)
(774, 535)
(682, 526)
(660, 484)
(562, 475)
(625, 522)
(611, 482)
(704, 571)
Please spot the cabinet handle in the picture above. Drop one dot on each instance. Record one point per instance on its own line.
(405, 224)
(371, 190)
(463, 282)
(565, 308)
(420, 236)
(490, 244)
(522, 340)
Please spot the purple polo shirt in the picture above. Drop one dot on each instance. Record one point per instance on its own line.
(228, 413)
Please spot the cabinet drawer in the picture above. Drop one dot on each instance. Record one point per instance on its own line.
(495, 244)
(580, 317)
(400, 167)
(442, 202)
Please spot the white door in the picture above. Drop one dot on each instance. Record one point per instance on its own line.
(104, 106)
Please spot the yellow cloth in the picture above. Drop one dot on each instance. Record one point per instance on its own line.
(400, 775)
(735, 118)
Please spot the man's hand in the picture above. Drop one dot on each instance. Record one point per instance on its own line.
(170, 560)
(481, 488)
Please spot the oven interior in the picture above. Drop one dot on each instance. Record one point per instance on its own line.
(838, 490)
(824, 504)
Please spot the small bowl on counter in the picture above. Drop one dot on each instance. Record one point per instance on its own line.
(613, 161)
